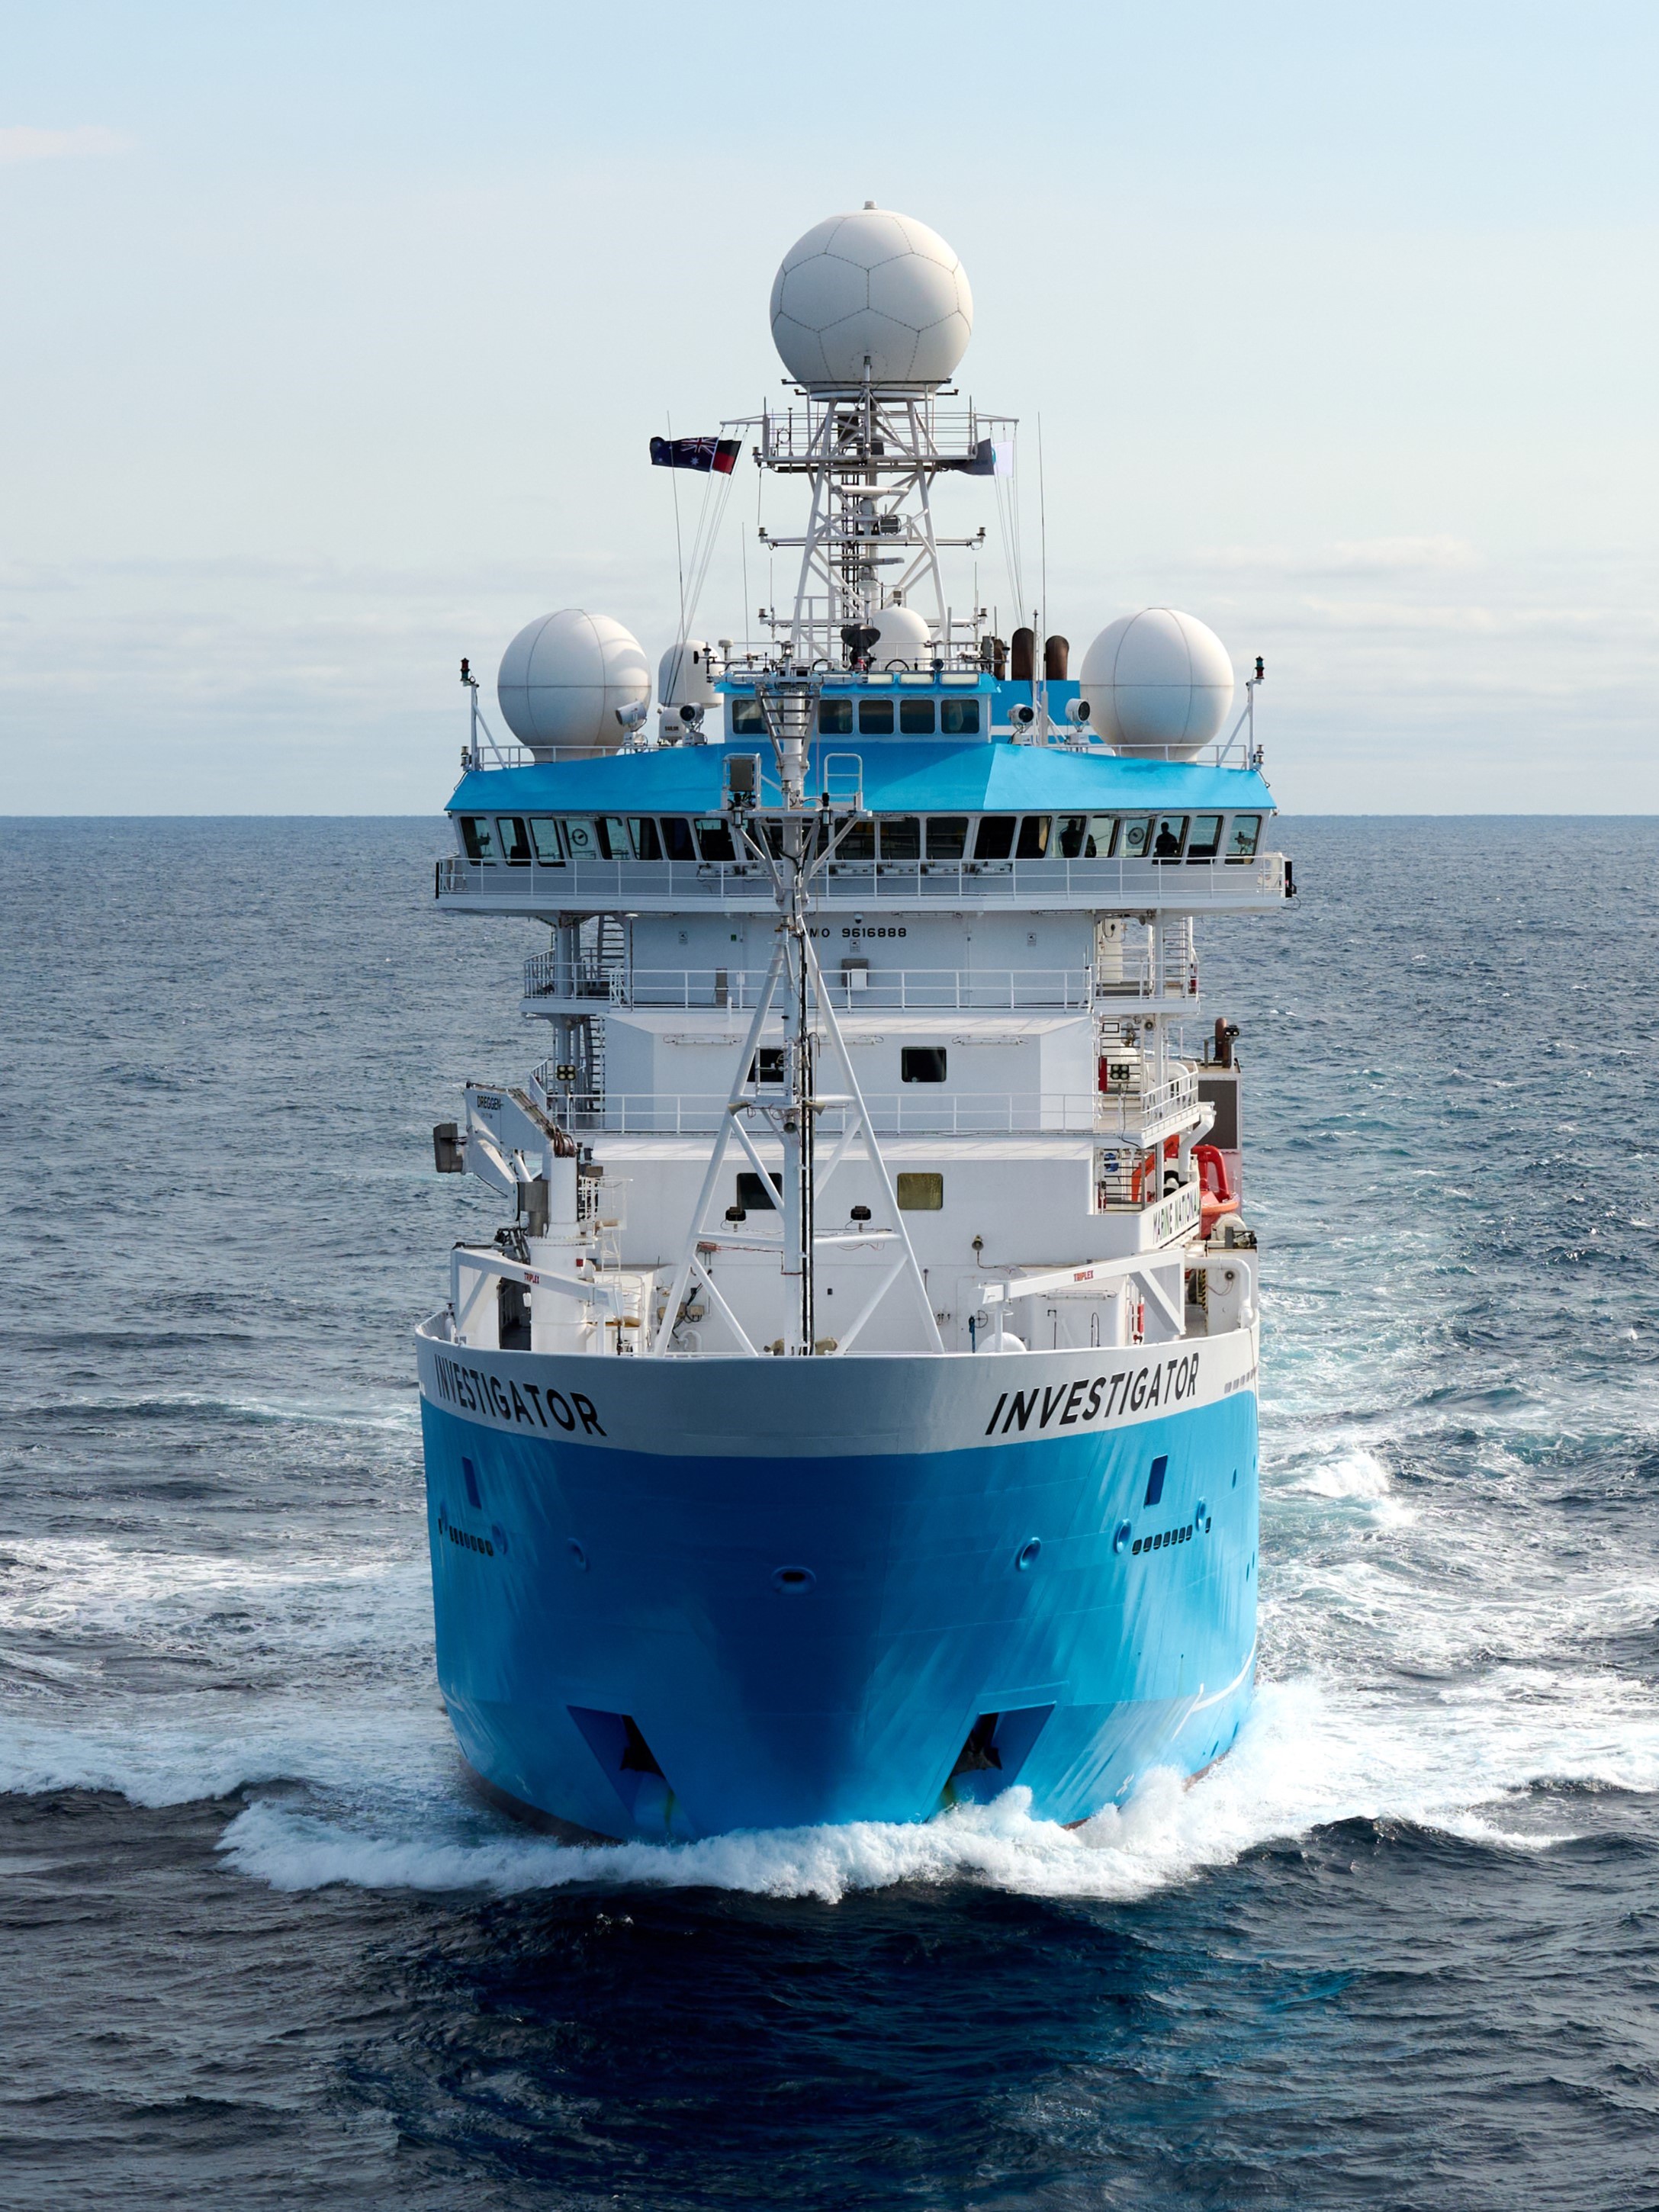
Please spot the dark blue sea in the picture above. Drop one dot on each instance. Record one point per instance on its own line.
(261, 1947)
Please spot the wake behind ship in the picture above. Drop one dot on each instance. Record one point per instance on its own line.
(857, 1415)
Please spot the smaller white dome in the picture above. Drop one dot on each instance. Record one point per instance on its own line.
(903, 635)
(1156, 682)
(682, 677)
(565, 678)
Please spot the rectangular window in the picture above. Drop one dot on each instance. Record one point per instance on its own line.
(1136, 841)
(747, 720)
(752, 1193)
(581, 834)
(835, 718)
(1169, 836)
(1074, 834)
(958, 718)
(876, 718)
(614, 839)
(715, 839)
(995, 840)
(646, 842)
(858, 843)
(1102, 837)
(767, 1066)
(515, 840)
(677, 838)
(921, 1063)
(901, 838)
(1204, 839)
(947, 837)
(1033, 838)
(1246, 830)
(476, 840)
(920, 1194)
(545, 836)
(916, 718)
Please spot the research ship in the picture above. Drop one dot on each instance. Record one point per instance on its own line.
(856, 1418)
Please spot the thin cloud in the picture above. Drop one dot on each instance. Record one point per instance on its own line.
(22, 141)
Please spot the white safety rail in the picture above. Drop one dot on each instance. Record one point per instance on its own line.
(853, 988)
(674, 886)
(924, 1111)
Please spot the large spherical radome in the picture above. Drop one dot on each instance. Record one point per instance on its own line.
(1157, 682)
(873, 284)
(564, 680)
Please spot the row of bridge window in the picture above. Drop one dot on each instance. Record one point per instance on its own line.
(552, 840)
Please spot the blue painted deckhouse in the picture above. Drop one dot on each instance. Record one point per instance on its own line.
(856, 1416)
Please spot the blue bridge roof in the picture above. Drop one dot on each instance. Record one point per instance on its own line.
(973, 778)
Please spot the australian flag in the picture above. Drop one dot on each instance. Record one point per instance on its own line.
(718, 455)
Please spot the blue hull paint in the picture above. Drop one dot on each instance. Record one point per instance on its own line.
(586, 1584)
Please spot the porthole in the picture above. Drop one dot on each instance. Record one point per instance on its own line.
(794, 1582)
(578, 1555)
(1027, 1554)
(1122, 1537)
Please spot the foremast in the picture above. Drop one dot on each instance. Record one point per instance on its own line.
(794, 838)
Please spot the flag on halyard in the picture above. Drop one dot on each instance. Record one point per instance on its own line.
(718, 455)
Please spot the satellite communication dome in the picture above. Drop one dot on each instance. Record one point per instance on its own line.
(564, 679)
(1156, 682)
(901, 635)
(872, 285)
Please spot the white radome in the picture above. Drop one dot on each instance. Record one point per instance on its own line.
(871, 284)
(564, 679)
(901, 635)
(1156, 682)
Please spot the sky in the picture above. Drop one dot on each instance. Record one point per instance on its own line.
(334, 337)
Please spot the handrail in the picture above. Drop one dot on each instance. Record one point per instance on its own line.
(923, 1112)
(923, 990)
(1129, 886)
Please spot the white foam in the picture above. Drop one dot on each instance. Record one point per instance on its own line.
(1303, 1761)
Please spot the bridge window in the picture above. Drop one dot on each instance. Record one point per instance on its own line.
(1136, 840)
(901, 836)
(715, 838)
(477, 840)
(515, 841)
(959, 718)
(835, 718)
(614, 840)
(876, 718)
(646, 841)
(996, 837)
(916, 718)
(747, 720)
(859, 841)
(922, 1194)
(1204, 839)
(1087, 836)
(582, 834)
(1033, 838)
(1246, 829)
(1171, 836)
(921, 1063)
(545, 836)
(677, 838)
(947, 835)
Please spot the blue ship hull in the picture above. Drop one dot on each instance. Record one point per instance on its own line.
(642, 1633)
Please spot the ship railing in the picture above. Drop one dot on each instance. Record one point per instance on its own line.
(1122, 886)
(1122, 1116)
(853, 987)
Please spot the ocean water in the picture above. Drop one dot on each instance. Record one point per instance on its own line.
(262, 1947)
